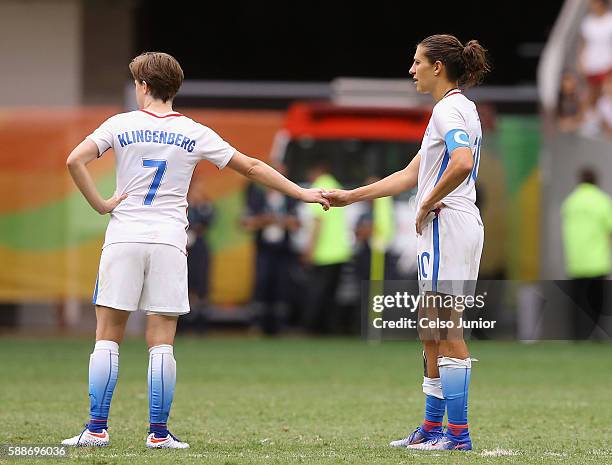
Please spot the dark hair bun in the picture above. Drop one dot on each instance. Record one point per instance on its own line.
(476, 64)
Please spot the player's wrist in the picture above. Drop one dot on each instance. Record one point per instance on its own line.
(100, 206)
(353, 195)
(427, 204)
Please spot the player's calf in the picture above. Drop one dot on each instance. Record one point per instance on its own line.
(162, 379)
(103, 372)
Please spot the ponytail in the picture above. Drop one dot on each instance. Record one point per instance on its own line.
(476, 65)
(467, 64)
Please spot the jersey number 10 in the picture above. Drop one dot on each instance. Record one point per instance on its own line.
(157, 178)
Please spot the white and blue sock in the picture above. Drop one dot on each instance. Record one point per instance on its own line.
(162, 379)
(455, 375)
(103, 372)
(435, 405)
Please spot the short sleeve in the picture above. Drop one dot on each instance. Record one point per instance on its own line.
(451, 125)
(103, 136)
(214, 149)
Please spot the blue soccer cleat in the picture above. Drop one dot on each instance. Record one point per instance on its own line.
(443, 442)
(418, 436)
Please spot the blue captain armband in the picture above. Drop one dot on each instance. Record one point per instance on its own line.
(456, 138)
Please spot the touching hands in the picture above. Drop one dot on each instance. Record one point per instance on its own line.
(315, 196)
(338, 197)
(330, 198)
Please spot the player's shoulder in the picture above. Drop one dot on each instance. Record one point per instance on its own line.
(456, 104)
(188, 121)
(202, 128)
(121, 118)
(115, 118)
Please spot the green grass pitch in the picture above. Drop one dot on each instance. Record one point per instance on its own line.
(313, 401)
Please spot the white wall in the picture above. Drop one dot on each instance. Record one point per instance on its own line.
(40, 52)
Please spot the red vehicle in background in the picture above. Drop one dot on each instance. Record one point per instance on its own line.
(361, 138)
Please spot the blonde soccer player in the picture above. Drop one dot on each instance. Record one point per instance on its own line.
(143, 265)
(449, 229)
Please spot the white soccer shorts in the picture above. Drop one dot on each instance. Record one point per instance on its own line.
(143, 276)
(448, 253)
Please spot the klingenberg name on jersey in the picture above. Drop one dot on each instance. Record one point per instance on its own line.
(157, 137)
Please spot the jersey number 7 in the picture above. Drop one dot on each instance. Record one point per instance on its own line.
(157, 178)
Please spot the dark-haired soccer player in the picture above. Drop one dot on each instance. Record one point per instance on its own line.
(448, 224)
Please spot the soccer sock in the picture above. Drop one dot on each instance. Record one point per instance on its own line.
(103, 371)
(455, 376)
(162, 378)
(435, 404)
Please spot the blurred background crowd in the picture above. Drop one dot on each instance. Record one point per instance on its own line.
(585, 100)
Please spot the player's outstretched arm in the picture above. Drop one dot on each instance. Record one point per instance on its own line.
(393, 184)
(263, 173)
(77, 162)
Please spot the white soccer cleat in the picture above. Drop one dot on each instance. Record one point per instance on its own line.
(400, 443)
(419, 435)
(169, 442)
(88, 439)
(443, 443)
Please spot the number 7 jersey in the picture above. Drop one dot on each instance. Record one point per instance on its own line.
(156, 155)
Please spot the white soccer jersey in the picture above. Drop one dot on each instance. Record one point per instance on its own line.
(454, 123)
(155, 158)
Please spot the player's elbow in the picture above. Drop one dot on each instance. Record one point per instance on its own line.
(253, 168)
(467, 167)
(464, 165)
(72, 161)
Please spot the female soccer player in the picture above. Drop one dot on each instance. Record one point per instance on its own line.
(448, 224)
(143, 265)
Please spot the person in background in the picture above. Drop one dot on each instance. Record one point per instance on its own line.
(569, 106)
(272, 216)
(327, 251)
(586, 216)
(604, 107)
(200, 216)
(375, 227)
(595, 55)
